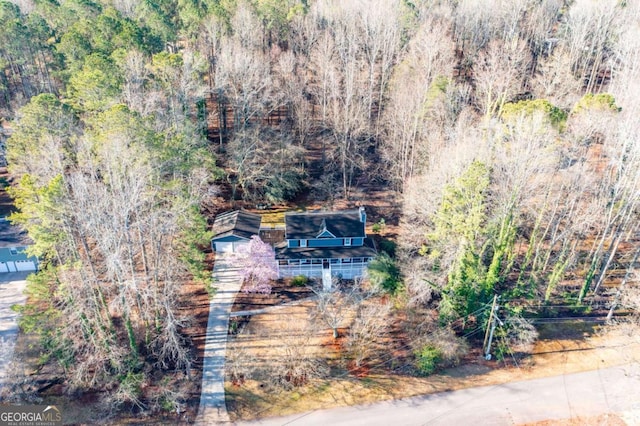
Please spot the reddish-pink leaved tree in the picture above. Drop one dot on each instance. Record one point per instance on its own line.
(257, 263)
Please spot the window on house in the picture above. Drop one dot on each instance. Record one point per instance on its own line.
(347, 241)
(303, 243)
(14, 252)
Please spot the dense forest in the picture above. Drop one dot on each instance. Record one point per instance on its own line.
(507, 129)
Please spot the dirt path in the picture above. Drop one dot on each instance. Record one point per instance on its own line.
(213, 409)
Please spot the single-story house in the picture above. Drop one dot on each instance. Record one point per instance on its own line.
(233, 229)
(13, 243)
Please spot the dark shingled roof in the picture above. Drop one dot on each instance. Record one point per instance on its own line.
(367, 250)
(239, 223)
(12, 236)
(345, 224)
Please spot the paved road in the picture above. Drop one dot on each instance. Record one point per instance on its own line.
(213, 409)
(11, 293)
(591, 393)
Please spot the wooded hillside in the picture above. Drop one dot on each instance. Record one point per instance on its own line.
(507, 128)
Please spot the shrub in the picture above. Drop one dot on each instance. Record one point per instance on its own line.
(237, 324)
(555, 115)
(384, 274)
(428, 359)
(379, 226)
(299, 281)
(170, 397)
(436, 347)
(598, 102)
(128, 392)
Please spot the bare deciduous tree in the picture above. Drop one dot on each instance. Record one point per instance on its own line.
(267, 165)
(335, 305)
(591, 29)
(298, 361)
(294, 81)
(244, 78)
(239, 363)
(509, 60)
(368, 328)
(418, 82)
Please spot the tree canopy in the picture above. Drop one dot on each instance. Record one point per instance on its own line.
(506, 131)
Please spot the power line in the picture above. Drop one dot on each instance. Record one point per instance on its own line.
(437, 333)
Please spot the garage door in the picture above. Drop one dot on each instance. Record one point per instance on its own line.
(3, 267)
(25, 265)
(224, 247)
(238, 244)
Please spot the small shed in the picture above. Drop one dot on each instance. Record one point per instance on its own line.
(233, 229)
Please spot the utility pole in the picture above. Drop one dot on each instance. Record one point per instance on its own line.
(491, 326)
